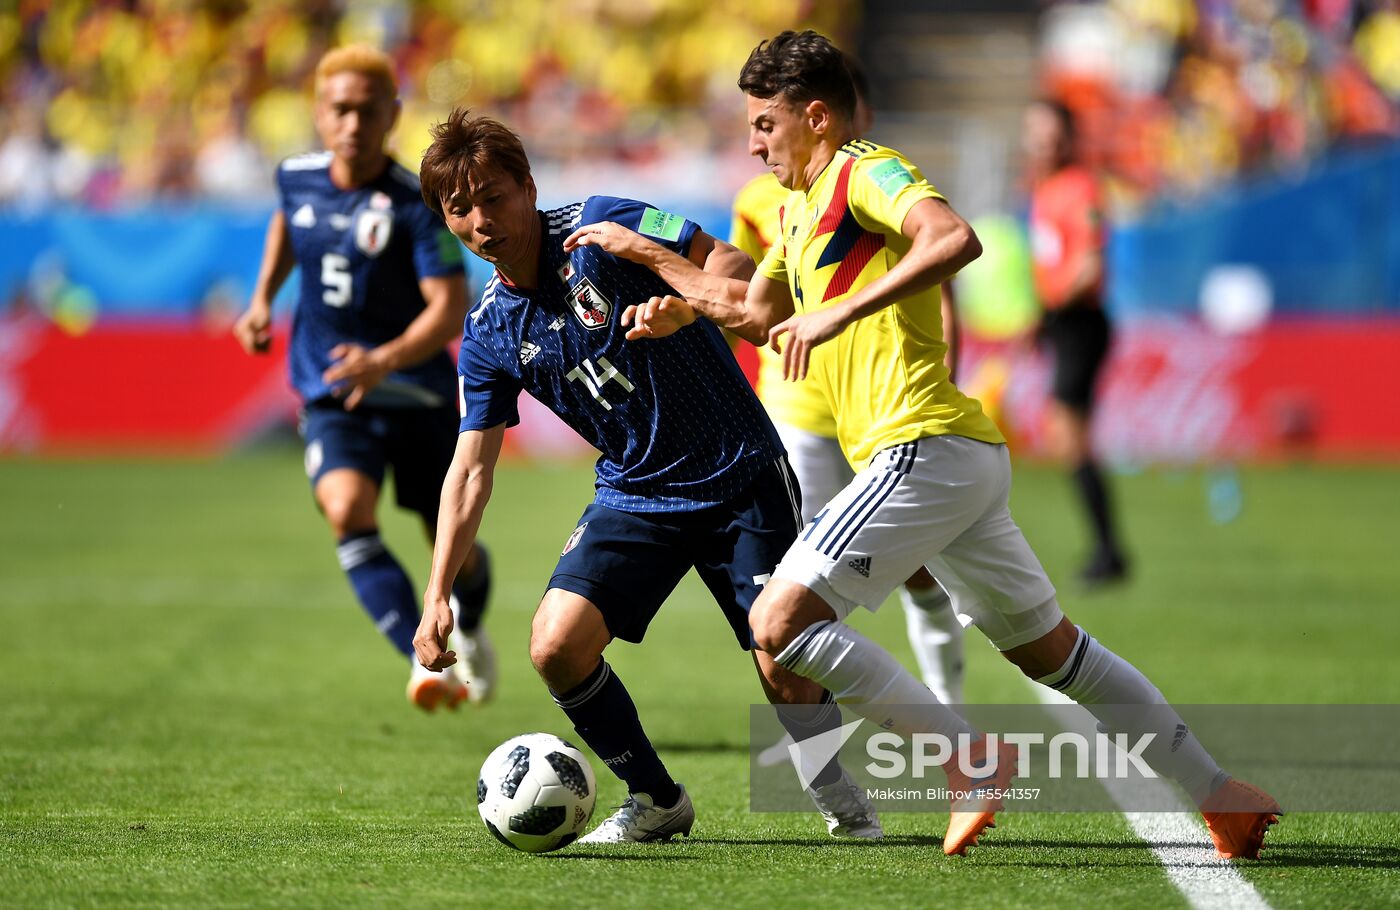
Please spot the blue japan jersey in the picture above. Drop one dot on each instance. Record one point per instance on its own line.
(361, 253)
(678, 426)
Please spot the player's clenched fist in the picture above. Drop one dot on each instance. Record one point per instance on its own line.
(658, 317)
(254, 329)
(430, 641)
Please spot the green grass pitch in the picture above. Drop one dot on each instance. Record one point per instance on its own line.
(194, 712)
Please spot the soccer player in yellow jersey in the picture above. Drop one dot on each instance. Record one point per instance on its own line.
(849, 295)
(807, 427)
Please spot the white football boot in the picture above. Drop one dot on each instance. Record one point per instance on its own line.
(776, 754)
(427, 688)
(639, 820)
(476, 663)
(847, 811)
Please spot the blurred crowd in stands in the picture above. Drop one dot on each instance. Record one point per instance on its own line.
(118, 102)
(1178, 97)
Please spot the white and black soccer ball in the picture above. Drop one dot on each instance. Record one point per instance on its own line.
(536, 793)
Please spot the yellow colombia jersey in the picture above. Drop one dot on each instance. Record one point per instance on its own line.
(753, 230)
(884, 376)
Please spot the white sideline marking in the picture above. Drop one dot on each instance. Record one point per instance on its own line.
(1179, 841)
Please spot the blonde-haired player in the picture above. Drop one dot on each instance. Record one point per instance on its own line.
(383, 290)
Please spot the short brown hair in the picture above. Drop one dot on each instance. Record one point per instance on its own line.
(363, 59)
(463, 144)
(801, 67)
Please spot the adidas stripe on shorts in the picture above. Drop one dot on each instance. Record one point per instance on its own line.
(939, 502)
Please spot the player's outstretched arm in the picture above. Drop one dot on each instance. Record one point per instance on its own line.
(253, 329)
(357, 369)
(465, 492)
(714, 279)
(941, 243)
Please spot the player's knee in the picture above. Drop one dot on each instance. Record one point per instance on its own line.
(783, 611)
(560, 654)
(773, 626)
(561, 663)
(347, 510)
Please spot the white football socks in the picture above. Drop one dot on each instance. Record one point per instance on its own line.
(860, 673)
(936, 637)
(1117, 693)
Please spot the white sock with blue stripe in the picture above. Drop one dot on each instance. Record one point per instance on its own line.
(861, 674)
(1125, 701)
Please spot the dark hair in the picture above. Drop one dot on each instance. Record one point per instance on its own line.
(1062, 113)
(463, 144)
(859, 80)
(801, 67)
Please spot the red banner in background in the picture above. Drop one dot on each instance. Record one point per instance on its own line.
(1177, 392)
(145, 386)
(1171, 392)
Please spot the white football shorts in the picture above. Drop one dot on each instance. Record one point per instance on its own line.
(939, 502)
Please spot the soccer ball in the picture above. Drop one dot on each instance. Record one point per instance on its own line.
(535, 793)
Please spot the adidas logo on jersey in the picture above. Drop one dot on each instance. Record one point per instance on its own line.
(861, 564)
(528, 350)
(305, 217)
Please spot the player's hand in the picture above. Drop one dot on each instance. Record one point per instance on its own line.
(253, 329)
(658, 317)
(610, 237)
(355, 370)
(805, 331)
(430, 641)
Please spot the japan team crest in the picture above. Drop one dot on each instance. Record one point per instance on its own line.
(373, 228)
(591, 307)
(575, 537)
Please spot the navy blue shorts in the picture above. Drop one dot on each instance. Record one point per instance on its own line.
(628, 563)
(417, 443)
(1079, 337)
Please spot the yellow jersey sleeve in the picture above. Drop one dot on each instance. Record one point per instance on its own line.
(884, 186)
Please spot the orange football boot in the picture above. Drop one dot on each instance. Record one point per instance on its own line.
(1238, 815)
(428, 690)
(969, 817)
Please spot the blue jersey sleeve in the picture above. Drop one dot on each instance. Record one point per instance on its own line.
(280, 178)
(666, 228)
(487, 395)
(435, 250)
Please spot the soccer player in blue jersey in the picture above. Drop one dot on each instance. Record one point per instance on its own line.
(382, 293)
(691, 474)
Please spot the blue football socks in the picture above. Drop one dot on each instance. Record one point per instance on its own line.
(604, 716)
(382, 587)
(471, 590)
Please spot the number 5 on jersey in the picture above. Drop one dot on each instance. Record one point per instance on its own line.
(335, 275)
(594, 381)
